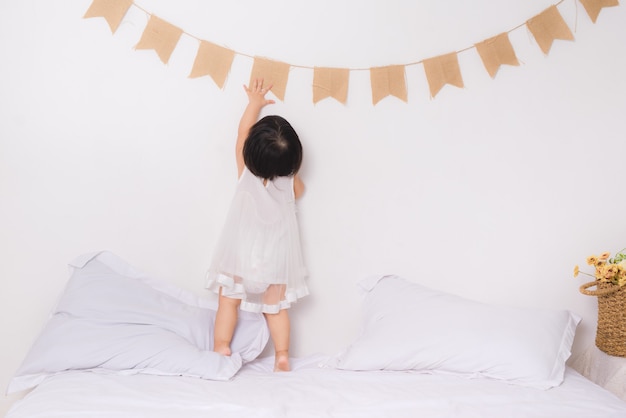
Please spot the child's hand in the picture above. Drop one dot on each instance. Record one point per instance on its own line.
(256, 93)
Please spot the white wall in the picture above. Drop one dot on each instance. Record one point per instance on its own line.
(494, 191)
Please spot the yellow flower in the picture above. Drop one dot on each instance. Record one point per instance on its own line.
(604, 256)
(607, 270)
(601, 272)
(610, 271)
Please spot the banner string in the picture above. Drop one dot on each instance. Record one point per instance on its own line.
(308, 67)
(388, 80)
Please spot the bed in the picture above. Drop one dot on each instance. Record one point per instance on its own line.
(122, 344)
(310, 391)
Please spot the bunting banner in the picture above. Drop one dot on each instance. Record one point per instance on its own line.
(216, 61)
(548, 26)
(113, 11)
(496, 51)
(442, 70)
(160, 36)
(330, 82)
(388, 81)
(593, 7)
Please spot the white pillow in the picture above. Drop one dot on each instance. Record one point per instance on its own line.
(112, 317)
(410, 327)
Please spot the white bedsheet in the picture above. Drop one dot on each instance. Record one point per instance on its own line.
(311, 391)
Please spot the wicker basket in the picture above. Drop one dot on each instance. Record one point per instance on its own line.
(611, 331)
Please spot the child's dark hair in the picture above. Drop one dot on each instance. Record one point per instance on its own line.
(272, 148)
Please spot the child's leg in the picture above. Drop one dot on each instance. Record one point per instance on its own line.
(225, 322)
(279, 330)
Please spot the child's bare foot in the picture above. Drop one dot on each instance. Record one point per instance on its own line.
(282, 362)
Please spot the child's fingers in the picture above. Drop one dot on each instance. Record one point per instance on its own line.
(264, 90)
(256, 86)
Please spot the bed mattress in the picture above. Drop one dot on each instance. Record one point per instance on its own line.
(311, 391)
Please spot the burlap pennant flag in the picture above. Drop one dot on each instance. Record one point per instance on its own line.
(388, 81)
(272, 72)
(112, 10)
(212, 60)
(160, 36)
(330, 82)
(593, 7)
(496, 51)
(443, 70)
(548, 26)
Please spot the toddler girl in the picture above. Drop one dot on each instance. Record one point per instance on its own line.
(258, 265)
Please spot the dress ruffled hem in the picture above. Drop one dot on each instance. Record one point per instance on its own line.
(235, 290)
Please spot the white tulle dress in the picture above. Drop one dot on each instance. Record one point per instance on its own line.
(258, 257)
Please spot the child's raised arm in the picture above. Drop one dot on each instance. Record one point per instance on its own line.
(256, 101)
